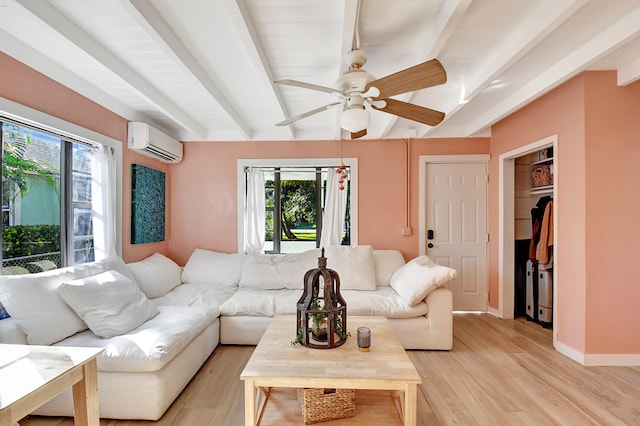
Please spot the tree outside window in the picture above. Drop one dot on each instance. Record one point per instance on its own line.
(294, 209)
(36, 200)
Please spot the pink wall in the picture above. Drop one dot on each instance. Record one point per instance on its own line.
(613, 206)
(597, 127)
(560, 112)
(208, 174)
(28, 87)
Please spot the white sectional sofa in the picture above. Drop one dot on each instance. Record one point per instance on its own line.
(142, 370)
(271, 285)
(170, 319)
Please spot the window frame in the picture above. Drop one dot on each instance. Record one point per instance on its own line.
(243, 163)
(66, 130)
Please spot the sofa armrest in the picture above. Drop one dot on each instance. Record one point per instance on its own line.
(440, 317)
(11, 333)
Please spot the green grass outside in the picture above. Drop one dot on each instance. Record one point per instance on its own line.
(302, 234)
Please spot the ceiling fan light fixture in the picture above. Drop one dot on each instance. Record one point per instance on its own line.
(355, 119)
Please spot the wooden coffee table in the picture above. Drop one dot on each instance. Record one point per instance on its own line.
(276, 363)
(32, 375)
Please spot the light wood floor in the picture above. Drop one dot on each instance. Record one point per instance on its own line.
(500, 372)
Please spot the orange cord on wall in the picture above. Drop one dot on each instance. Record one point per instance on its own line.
(407, 170)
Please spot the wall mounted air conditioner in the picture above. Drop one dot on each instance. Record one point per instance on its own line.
(153, 143)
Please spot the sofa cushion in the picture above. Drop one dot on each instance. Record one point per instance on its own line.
(252, 302)
(278, 271)
(201, 295)
(156, 275)
(10, 332)
(383, 301)
(354, 265)
(215, 268)
(415, 280)
(110, 303)
(387, 263)
(152, 345)
(33, 301)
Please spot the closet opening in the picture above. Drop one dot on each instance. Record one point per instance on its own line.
(527, 189)
(533, 233)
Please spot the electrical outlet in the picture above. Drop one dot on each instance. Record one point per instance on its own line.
(406, 231)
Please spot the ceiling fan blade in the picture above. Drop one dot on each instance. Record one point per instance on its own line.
(426, 74)
(412, 112)
(304, 85)
(307, 114)
(359, 134)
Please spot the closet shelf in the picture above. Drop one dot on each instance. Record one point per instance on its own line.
(544, 160)
(541, 190)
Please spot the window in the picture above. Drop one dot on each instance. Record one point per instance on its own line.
(46, 200)
(295, 194)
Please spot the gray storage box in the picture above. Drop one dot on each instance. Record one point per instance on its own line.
(545, 296)
(531, 309)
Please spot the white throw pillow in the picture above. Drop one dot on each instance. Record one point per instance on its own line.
(156, 275)
(415, 280)
(110, 303)
(278, 271)
(216, 268)
(114, 263)
(33, 301)
(354, 265)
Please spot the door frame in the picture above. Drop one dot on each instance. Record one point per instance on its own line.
(424, 160)
(506, 224)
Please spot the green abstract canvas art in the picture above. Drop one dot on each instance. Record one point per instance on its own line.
(147, 204)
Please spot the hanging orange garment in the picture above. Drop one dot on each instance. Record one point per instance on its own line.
(545, 245)
(533, 247)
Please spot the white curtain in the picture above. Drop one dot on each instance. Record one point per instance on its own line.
(103, 201)
(335, 210)
(254, 214)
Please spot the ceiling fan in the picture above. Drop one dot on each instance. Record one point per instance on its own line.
(357, 88)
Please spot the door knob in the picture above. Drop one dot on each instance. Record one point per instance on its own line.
(430, 245)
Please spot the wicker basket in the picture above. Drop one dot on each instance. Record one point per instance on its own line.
(541, 176)
(322, 405)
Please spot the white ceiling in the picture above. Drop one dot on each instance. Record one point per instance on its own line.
(203, 69)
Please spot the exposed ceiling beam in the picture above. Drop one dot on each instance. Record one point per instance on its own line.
(348, 31)
(67, 28)
(157, 28)
(537, 25)
(448, 18)
(591, 51)
(629, 73)
(28, 55)
(247, 31)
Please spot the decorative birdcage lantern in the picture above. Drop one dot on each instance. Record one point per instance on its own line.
(321, 311)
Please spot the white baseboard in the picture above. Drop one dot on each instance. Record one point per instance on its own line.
(612, 360)
(570, 352)
(593, 360)
(494, 312)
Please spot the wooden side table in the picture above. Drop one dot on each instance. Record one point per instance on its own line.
(32, 375)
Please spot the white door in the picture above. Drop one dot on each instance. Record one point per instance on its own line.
(456, 222)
